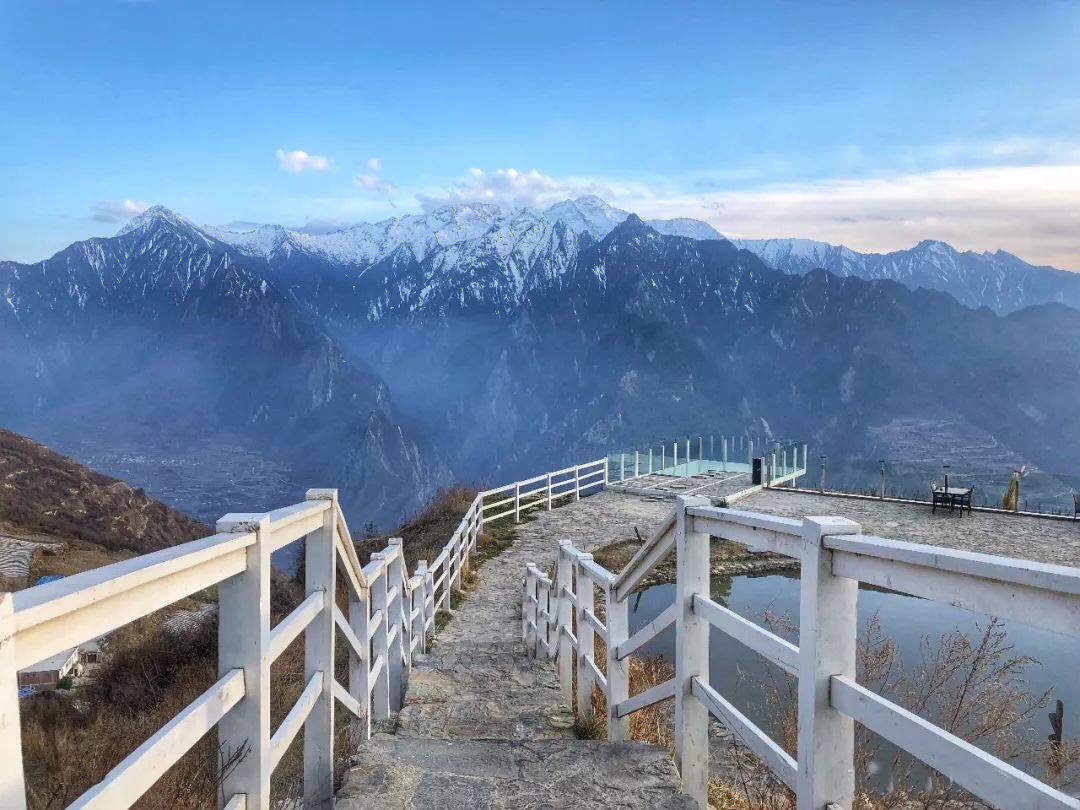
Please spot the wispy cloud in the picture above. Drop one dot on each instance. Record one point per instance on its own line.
(512, 188)
(298, 161)
(372, 181)
(117, 212)
(1027, 210)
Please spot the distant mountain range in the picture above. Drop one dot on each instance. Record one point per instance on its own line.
(211, 364)
(998, 280)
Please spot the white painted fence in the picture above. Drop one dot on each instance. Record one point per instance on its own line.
(559, 621)
(389, 614)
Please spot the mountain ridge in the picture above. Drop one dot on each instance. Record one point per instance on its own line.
(997, 279)
(530, 346)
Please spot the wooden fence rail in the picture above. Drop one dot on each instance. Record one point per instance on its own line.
(559, 621)
(390, 613)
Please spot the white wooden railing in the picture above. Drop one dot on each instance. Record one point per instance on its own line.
(559, 621)
(388, 616)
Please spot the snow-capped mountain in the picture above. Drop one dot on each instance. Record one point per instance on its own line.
(422, 235)
(998, 280)
(459, 237)
(156, 348)
(480, 343)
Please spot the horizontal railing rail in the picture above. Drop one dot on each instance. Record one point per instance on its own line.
(560, 621)
(387, 615)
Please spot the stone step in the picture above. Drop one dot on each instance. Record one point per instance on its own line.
(416, 774)
(483, 691)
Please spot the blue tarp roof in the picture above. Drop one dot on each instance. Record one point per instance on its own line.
(45, 580)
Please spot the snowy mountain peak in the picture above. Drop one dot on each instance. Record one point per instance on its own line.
(682, 226)
(935, 246)
(156, 216)
(587, 214)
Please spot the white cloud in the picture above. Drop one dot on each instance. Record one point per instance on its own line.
(374, 163)
(298, 161)
(513, 188)
(1027, 210)
(118, 212)
(373, 182)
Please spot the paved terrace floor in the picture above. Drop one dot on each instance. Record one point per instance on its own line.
(1042, 539)
(1032, 538)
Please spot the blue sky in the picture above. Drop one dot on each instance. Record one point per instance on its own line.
(875, 124)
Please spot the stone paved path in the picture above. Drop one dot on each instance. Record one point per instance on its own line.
(485, 726)
(1030, 538)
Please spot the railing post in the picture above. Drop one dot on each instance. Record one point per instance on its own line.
(12, 781)
(517, 503)
(319, 576)
(243, 643)
(688, 455)
(827, 627)
(549, 492)
(455, 552)
(420, 622)
(394, 620)
(543, 623)
(675, 457)
(750, 452)
(563, 579)
(429, 601)
(360, 665)
(650, 461)
(380, 693)
(663, 456)
(577, 482)
(607, 472)
(478, 524)
(637, 464)
(618, 672)
(622, 466)
(723, 449)
(463, 550)
(529, 624)
(691, 653)
(586, 638)
(700, 455)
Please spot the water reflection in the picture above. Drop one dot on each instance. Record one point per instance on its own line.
(737, 673)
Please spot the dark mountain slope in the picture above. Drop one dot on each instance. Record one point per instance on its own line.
(164, 343)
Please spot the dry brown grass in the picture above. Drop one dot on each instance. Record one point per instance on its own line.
(52, 494)
(77, 556)
(71, 740)
(424, 534)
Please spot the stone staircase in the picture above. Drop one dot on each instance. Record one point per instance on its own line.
(485, 726)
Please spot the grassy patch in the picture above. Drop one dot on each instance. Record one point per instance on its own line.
(589, 728)
(424, 535)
